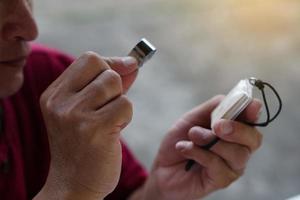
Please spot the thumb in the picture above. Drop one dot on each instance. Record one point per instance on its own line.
(127, 67)
(122, 65)
(201, 114)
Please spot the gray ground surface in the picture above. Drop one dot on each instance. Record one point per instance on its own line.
(205, 47)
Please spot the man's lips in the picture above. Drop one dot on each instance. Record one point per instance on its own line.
(15, 61)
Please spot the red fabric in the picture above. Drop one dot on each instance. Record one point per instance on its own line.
(24, 150)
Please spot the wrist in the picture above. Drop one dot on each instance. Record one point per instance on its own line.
(48, 193)
(154, 188)
(148, 191)
(57, 187)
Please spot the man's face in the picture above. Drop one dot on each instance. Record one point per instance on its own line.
(17, 28)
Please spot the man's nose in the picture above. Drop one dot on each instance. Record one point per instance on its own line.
(20, 24)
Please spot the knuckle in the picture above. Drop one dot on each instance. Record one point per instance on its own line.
(43, 99)
(126, 103)
(90, 55)
(62, 113)
(229, 178)
(108, 84)
(47, 103)
(113, 79)
(92, 58)
(113, 76)
(244, 153)
(259, 139)
(55, 110)
(120, 112)
(69, 115)
(98, 88)
(108, 60)
(233, 176)
(126, 108)
(242, 157)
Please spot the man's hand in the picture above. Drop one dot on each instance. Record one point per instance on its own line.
(215, 168)
(84, 112)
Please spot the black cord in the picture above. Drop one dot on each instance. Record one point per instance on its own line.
(261, 86)
(190, 163)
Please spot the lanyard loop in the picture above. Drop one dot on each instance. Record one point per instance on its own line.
(261, 86)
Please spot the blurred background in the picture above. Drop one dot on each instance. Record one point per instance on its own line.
(204, 48)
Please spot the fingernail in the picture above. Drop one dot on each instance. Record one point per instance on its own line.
(183, 145)
(129, 61)
(226, 127)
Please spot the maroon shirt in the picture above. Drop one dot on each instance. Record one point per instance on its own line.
(24, 150)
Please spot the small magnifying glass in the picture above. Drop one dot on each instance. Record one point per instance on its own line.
(143, 51)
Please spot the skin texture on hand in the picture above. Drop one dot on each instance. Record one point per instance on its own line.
(216, 168)
(84, 111)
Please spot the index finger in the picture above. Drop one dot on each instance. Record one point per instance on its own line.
(81, 72)
(122, 65)
(252, 112)
(127, 67)
(239, 133)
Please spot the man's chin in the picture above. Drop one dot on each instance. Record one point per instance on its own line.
(11, 87)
